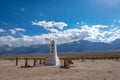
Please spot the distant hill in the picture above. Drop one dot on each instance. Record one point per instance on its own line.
(76, 47)
(87, 46)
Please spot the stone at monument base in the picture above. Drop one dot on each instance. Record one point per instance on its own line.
(52, 60)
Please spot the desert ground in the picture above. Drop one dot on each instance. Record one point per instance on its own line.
(80, 70)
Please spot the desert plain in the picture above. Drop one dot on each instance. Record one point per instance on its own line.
(80, 70)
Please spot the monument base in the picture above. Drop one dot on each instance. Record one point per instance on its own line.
(52, 60)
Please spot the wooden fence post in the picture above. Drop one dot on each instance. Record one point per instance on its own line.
(40, 61)
(26, 63)
(66, 64)
(34, 62)
(16, 61)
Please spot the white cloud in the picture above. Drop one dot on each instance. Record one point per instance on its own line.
(12, 31)
(115, 34)
(53, 30)
(77, 23)
(2, 30)
(51, 25)
(15, 30)
(9, 40)
(101, 33)
(94, 32)
(20, 29)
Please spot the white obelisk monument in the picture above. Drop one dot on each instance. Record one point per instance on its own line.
(52, 59)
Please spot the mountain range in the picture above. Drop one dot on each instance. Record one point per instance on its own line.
(80, 46)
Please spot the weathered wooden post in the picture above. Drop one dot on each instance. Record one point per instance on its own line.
(16, 61)
(26, 63)
(40, 61)
(70, 61)
(66, 64)
(34, 62)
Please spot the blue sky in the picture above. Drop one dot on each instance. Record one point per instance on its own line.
(36, 21)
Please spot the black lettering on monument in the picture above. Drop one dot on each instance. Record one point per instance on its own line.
(52, 48)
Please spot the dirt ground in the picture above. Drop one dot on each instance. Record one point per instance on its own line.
(80, 70)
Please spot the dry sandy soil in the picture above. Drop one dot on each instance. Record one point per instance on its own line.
(87, 70)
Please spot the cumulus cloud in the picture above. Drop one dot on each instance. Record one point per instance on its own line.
(94, 31)
(2, 30)
(19, 29)
(15, 30)
(100, 33)
(12, 31)
(7, 40)
(51, 25)
(114, 34)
